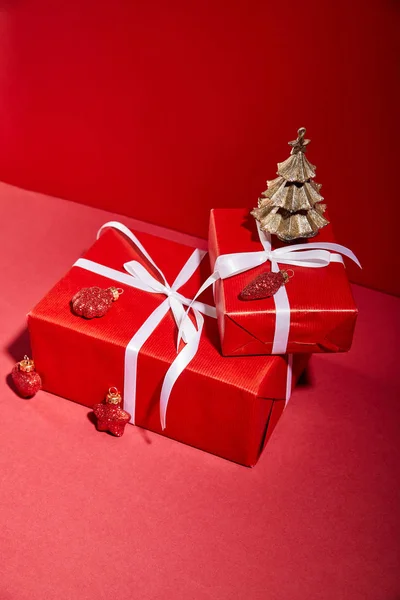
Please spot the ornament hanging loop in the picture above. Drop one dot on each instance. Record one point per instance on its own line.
(301, 132)
(116, 292)
(287, 274)
(113, 396)
(26, 365)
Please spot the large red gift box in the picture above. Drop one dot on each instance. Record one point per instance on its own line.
(226, 406)
(322, 309)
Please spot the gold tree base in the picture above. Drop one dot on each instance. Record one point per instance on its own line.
(288, 227)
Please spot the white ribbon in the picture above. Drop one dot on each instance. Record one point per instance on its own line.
(289, 379)
(312, 255)
(138, 276)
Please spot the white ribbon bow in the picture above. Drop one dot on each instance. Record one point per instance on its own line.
(312, 255)
(139, 277)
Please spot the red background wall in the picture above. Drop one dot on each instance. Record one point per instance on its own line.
(162, 110)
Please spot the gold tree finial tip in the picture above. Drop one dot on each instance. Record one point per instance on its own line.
(300, 144)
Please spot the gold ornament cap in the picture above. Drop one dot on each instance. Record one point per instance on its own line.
(113, 396)
(116, 292)
(288, 274)
(27, 365)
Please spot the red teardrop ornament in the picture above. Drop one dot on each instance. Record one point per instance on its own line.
(264, 286)
(93, 301)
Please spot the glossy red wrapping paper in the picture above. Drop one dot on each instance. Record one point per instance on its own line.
(322, 309)
(226, 406)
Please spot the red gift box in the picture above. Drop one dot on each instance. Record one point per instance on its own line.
(228, 407)
(322, 309)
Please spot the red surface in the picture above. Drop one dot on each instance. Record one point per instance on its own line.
(230, 401)
(322, 309)
(163, 110)
(86, 515)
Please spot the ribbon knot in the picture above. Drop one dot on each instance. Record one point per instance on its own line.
(269, 255)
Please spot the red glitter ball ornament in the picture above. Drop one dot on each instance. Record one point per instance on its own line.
(110, 416)
(25, 378)
(264, 286)
(94, 301)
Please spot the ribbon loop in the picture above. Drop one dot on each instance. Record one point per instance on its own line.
(302, 258)
(232, 264)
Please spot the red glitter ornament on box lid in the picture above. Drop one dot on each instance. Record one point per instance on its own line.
(94, 301)
(110, 416)
(25, 378)
(265, 285)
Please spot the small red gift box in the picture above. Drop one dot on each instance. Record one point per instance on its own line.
(228, 407)
(319, 315)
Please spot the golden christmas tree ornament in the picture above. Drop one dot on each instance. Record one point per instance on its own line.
(290, 207)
